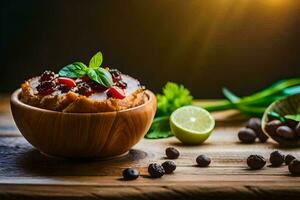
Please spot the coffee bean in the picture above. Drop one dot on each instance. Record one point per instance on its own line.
(203, 160)
(255, 124)
(294, 167)
(272, 126)
(289, 158)
(169, 166)
(276, 158)
(285, 131)
(155, 170)
(291, 123)
(172, 153)
(246, 135)
(130, 173)
(256, 162)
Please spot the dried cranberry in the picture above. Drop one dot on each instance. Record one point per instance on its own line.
(96, 87)
(85, 78)
(46, 87)
(121, 84)
(64, 88)
(84, 89)
(47, 76)
(116, 75)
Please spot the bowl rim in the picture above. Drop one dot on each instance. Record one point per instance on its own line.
(15, 99)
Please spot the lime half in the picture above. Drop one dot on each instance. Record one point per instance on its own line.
(191, 124)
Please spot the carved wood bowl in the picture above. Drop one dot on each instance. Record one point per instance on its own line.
(80, 135)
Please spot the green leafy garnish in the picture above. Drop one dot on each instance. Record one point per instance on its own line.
(94, 71)
(255, 105)
(75, 70)
(96, 60)
(174, 96)
(293, 117)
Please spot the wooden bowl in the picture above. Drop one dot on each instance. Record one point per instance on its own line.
(285, 106)
(79, 135)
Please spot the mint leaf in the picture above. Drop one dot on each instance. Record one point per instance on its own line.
(74, 70)
(96, 60)
(105, 77)
(293, 117)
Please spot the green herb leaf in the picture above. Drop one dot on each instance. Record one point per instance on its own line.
(293, 117)
(105, 77)
(92, 73)
(75, 70)
(96, 60)
(173, 97)
(160, 128)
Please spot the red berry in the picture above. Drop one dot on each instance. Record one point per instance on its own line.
(121, 84)
(47, 76)
(66, 81)
(45, 87)
(85, 78)
(116, 92)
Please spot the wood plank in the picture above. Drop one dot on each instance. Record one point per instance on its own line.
(27, 174)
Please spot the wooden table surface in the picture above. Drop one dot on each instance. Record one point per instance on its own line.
(27, 174)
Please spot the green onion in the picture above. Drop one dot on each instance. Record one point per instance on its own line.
(255, 104)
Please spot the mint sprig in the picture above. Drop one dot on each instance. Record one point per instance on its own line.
(94, 71)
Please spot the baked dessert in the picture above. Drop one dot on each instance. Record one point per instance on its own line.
(78, 88)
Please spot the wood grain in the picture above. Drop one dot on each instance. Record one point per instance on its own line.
(80, 134)
(27, 174)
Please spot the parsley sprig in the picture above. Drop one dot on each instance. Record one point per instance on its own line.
(94, 71)
(174, 96)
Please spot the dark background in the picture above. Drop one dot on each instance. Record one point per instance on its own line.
(205, 44)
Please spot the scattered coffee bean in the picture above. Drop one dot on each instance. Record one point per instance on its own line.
(169, 166)
(255, 124)
(172, 153)
(294, 167)
(247, 135)
(130, 173)
(276, 158)
(272, 126)
(203, 160)
(297, 130)
(289, 158)
(291, 123)
(155, 170)
(256, 162)
(285, 131)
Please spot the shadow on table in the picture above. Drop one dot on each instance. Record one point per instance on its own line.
(34, 163)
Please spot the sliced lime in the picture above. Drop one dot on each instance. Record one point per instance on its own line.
(191, 124)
